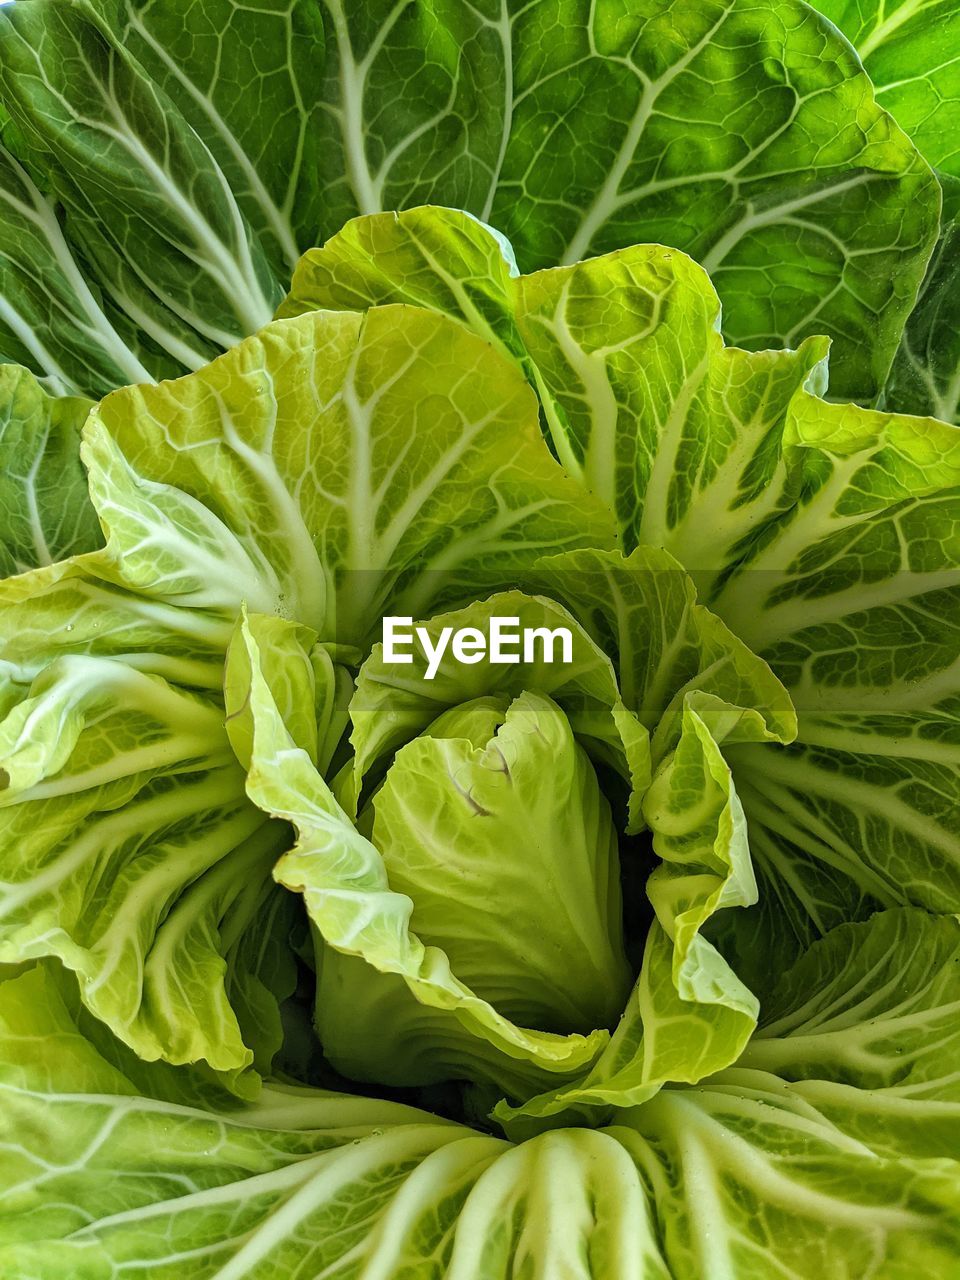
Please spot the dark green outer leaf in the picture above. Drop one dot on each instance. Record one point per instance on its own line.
(926, 372)
(141, 203)
(245, 78)
(45, 509)
(911, 51)
(748, 137)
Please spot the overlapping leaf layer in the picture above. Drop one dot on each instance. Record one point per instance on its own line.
(639, 964)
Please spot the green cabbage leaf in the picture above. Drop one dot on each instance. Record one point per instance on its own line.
(163, 165)
(791, 1158)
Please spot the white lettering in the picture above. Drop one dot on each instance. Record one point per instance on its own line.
(506, 642)
(469, 646)
(434, 653)
(532, 634)
(500, 636)
(393, 637)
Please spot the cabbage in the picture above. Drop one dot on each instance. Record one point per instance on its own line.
(633, 960)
